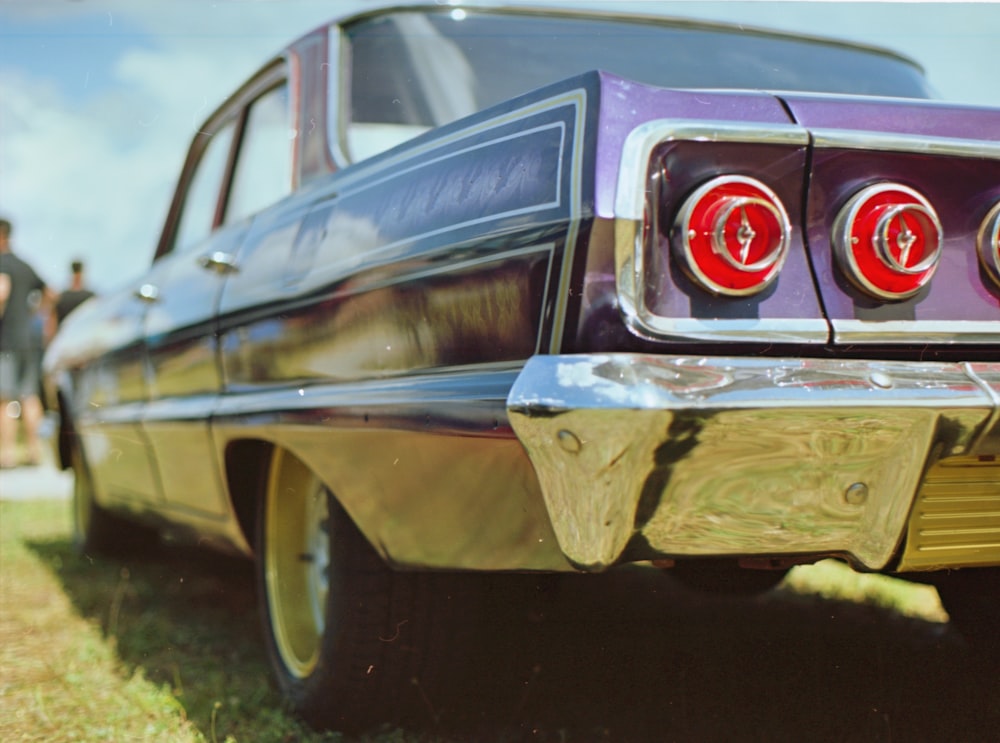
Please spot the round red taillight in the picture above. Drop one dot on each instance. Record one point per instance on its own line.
(732, 235)
(887, 239)
(989, 243)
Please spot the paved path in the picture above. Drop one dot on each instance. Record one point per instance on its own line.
(43, 481)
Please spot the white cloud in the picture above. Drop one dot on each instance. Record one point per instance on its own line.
(91, 177)
(70, 189)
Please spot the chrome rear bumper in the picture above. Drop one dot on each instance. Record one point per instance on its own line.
(690, 456)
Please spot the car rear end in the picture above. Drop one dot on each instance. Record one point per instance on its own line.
(785, 342)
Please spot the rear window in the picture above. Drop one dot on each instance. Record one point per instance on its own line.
(417, 70)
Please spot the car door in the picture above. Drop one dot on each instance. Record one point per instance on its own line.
(104, 343)
(152, 343)
(244, 166)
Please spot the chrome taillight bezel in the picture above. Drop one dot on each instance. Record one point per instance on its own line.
(690, 240)
(905, 279)
(988, 243)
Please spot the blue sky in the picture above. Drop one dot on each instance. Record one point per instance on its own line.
(99, 98)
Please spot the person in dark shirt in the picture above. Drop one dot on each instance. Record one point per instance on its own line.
(74, 296)
(18, 370)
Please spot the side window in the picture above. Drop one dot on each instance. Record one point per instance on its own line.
(202, 197)
(263, 173)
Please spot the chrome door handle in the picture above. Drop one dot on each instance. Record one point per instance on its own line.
(148, 293)
(219, 261)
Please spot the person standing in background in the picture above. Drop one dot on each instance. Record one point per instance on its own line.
(18, 368)
(76, 294)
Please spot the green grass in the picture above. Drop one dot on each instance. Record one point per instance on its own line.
(61, 678)
(102, 650)
(835, 580)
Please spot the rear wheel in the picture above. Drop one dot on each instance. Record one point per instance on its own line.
(353, 643)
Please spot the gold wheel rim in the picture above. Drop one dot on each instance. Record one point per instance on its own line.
(296, 562)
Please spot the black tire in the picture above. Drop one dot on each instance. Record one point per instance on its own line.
(972, 599)
(353, 643)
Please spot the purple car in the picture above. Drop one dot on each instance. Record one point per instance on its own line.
(445, 292)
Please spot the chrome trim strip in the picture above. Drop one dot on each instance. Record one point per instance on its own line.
(630, 202)
(738, 456)
(129, 412)
(194, 408)
(489, 383)
(905, 143)
(337, 90)
(978, 332)
(630, 197)
(774, 330)
(572, 234)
